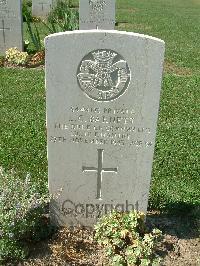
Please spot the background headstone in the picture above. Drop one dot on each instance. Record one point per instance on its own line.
(97, 14)
(41, 8)
(10, 25)
(102, 109)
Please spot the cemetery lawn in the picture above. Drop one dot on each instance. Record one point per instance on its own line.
(175, 174)
(23, 133)
(176, 183)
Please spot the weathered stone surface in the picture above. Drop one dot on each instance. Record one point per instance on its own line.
(97, 14)
(10, 25)
(103, 90)
(41, 8)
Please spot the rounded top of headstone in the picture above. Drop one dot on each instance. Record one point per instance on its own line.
(104, 32)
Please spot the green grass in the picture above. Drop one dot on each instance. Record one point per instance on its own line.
(177, 22)
(176, 170)
(175, 183)
(22, 120)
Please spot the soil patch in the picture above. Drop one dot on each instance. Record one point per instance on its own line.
(180, 247)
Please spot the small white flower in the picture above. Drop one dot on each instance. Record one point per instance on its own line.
(10, 235)
(28, 178)
(18, 206)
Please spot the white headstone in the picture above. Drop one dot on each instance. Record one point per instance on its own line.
(41, 8)
(10, 25)
(103, 90)
(97, 14)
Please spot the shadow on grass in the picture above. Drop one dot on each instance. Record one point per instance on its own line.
(181, 220)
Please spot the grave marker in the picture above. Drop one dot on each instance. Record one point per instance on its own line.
(10, 25)
(102, 109)
(97, 14)
(41, 8)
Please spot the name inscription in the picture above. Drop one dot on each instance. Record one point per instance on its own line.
(102, 126)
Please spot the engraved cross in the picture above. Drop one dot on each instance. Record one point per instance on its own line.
(100, 170)
(43, 5)
(3, 31)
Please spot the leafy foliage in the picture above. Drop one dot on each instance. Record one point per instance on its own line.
(26, 10)
(126, 241)
(34, 35)
(22, 218)
(27, 3)
(62, 18)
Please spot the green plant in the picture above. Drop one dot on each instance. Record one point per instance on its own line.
(22, 218)
(69, 2)
(26, 45)
(28, 2)
(34, 35)
(26, 10)
(126, 241)
(62, 18)
(14, 56)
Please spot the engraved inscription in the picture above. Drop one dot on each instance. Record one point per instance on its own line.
(100, 14)
(100, 170)
(5, 11)
(103, 75)
(98, 20)
(102, 126)
(97, 5)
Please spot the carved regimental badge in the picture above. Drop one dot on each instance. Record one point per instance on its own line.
(97, 5)
(3, 2)
(103, 75)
